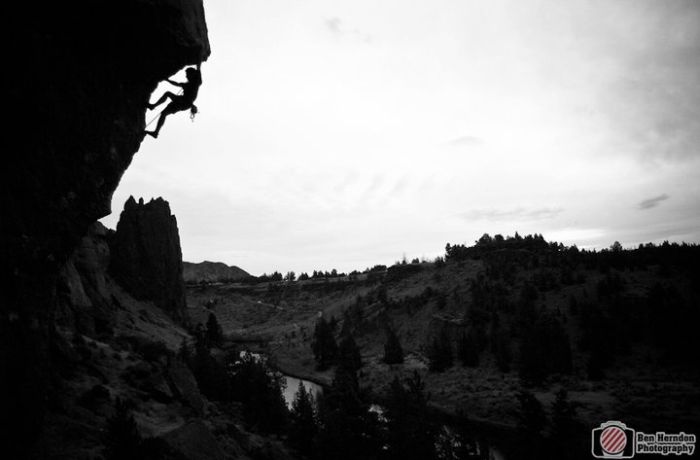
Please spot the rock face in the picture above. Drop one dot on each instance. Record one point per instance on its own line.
(83, 294)
(82, 73)
(146, 255)
(211, 272)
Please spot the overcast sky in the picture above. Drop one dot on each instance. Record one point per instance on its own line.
(342, 134)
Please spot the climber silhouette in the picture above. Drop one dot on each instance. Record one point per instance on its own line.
(180, 102)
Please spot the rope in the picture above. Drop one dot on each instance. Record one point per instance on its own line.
(161, 110)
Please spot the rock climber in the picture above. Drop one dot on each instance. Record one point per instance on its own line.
(178, 103)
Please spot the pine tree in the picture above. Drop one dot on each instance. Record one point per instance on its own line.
(324, 346)
(348, 431)
(393, 353)
(122, 439)
(567, 436)
(594, 366)
(410, 435)
(440, 352)
(531, 423)
(214, 333)
(501, 350)
(349, 353)
(260, 391)
(183, 353)
(468, 351)
(303, 425)
(545, 350)
(210, 375)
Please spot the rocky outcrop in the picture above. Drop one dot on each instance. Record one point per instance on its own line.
(81, 75)
(211, 272)
(83, 294)
(146, 255)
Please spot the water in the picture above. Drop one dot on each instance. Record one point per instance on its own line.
(292, 386)
(450, 439)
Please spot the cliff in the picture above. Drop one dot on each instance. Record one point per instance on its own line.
(146, 255)
(83, 286)
(80, 77)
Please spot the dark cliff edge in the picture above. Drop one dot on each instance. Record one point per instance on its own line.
(146, 256)
(81, 75)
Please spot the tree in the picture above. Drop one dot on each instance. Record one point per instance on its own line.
(545, 350)
(348, 430)
(596, 364)
(260, 391)
(349, 353)
(123, 441)
(210, 375)
(531, 422)
(214, 333)
(303, 425)
(468, 351)
(183, 353)
(440, 352)
(567, 436)
(410, 435)
(501, 350)
(290, 276)
(323, 345)
(393, 353)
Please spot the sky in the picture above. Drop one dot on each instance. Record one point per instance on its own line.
(344, 134)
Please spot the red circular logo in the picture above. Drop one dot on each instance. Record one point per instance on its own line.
(613, 440)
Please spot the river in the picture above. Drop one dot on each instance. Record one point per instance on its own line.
(447, 433)
(292, 386)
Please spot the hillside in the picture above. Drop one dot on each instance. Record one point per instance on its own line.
(212, 272)
(615, 328)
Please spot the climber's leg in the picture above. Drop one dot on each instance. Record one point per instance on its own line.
(168, 110)
(163, 98)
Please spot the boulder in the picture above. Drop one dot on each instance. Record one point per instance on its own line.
(184, 386)
(194, 441)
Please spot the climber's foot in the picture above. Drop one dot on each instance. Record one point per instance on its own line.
(153, 134)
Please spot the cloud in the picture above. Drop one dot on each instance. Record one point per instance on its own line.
(465, 141)
(333, 24)
(653, 95)
(652, 202)
(516, 214)
(399, 186)
(336, 27)
(633, 62)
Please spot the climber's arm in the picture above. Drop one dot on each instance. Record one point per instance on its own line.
(181, 85)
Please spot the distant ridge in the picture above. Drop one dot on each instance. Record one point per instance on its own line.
(211, 272)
